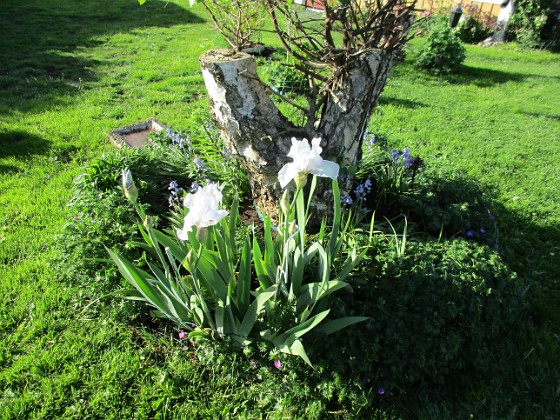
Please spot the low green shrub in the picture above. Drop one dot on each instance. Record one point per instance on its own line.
(443, 52)
(436, 203)
(102, 216)
(276, 289)
(471, 30)
(435, 311)
(535, 24)
(449, 205)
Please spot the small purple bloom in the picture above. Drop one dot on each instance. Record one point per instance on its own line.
(175, 191)
(199, 164)
(482, 231)
(470, 234)
(347, 201)
(178, 140)
(254, 364)
(367, 185)
(182, 334)
(407, 159)
(406, 152)
(194, 187)
(278, 364)
(174, 187)
(381, 391)
(371, 140)
(363, 190)
(395, 155)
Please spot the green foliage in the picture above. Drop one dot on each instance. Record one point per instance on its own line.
(471, 30)
(433, 314)
(443, 52)
(448, 205)
(207, 282)
(393, 172)
(239, 24)
(101, 216)
(87, 67)
(436, 203)
(285, 78)
(535, 24)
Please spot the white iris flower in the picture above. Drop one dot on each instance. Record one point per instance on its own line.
(307, 160)
(203, 209)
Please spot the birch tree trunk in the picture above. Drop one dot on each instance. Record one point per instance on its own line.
(255, 132)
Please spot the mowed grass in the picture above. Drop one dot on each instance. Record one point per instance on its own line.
(72, 72)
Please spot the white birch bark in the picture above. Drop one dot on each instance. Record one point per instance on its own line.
(254, 130)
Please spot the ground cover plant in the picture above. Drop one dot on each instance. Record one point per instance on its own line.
(67, 350)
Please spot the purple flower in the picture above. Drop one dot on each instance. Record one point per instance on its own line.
(194, 187)
(381, 391)
(407, 162)
(407, 159)
(174, 187)
(182, 334)
(178, 140)
(254, 364)
(367, 185)
(278, 364)
(175, 191)
(371, 141)
(363, 190)
(482, 231)
(470, 234)
(199, 164)
(346, 201)
(406, 152)
(395, 156)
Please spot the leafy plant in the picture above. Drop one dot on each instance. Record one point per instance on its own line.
(443, 52)
(433, 313)
(386, 175)
(471, 30)
(285, 78)
(535, 24)
(207, 282)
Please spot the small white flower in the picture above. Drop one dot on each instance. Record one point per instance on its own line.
(307, 160)
(203, 209)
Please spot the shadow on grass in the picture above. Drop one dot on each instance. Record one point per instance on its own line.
(40, 56)
(546, 116)
(401, 103)
(437, 332)
(21, 145)
(9, 169)
(483, 77)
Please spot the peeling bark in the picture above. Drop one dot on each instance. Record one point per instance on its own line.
(254, 130)
(252, 127)
(350, 106)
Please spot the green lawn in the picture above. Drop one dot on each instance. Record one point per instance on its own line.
(73, 71)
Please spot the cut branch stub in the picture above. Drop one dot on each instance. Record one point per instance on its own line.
(252, 127)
